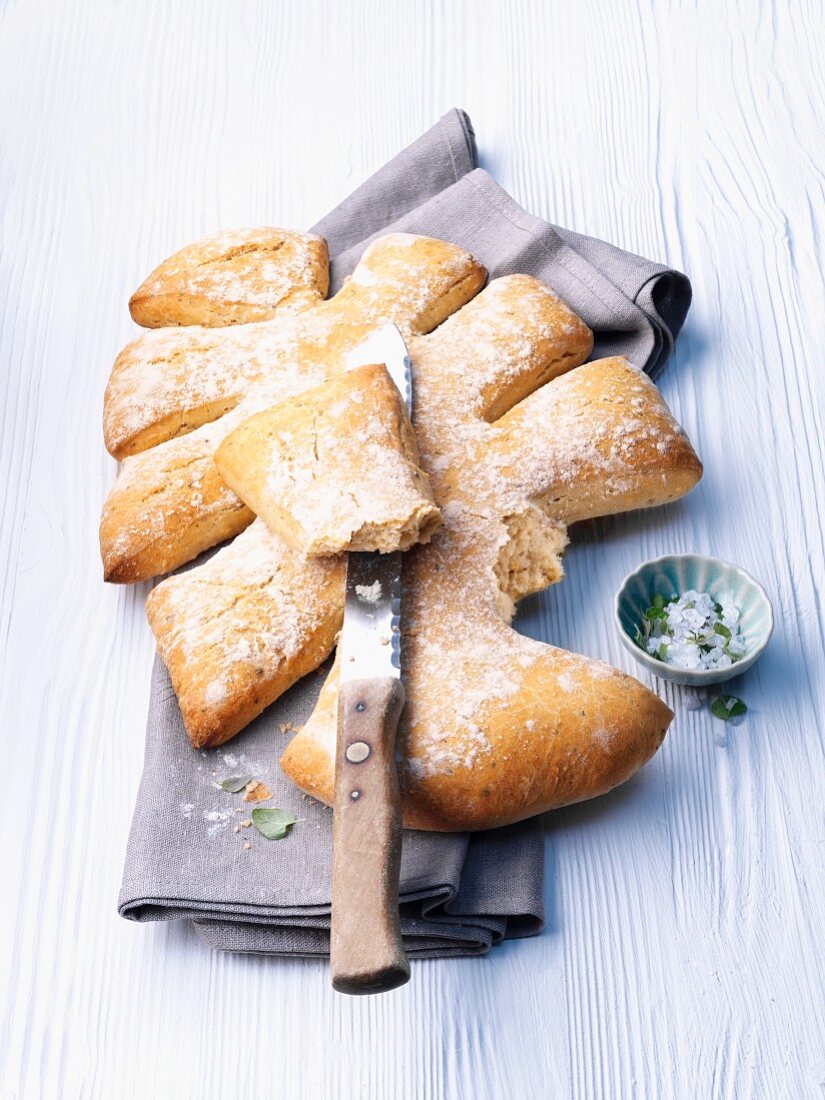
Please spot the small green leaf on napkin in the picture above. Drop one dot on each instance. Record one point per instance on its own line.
(235, 783)
(274, 824)
(727, 707)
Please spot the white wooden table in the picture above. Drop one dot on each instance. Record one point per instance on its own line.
(683, 953)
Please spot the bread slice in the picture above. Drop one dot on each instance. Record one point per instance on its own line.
(334, 469)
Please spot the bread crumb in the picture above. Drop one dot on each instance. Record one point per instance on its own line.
(237, 829)
(245, 824)
(255, 791)
(247, 845)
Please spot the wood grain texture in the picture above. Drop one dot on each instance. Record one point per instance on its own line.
(366, 948)
(683, 952)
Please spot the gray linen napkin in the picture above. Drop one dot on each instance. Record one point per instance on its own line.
(460, 893)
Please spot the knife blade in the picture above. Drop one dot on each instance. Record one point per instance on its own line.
(366, 949)
(373, 590)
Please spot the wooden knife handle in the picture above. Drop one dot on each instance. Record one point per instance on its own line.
(366, 951)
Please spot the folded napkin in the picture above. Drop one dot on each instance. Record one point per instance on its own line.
(188, 854)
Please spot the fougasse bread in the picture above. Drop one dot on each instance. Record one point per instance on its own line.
(520, 437)
(335, 469)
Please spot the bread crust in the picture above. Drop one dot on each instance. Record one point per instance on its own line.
(233, 277)
(239, 630)
(169, 503)
(547, 747)
(171, 381)
(334, 469)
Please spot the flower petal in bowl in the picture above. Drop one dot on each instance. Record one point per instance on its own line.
(674, 574)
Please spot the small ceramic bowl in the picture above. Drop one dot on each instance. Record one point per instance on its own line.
(677, 573)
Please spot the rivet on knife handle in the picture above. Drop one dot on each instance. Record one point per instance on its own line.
(367, 953)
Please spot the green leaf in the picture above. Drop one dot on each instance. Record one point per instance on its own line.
(235, 783)
(274, 824)
(720, 628)
(659, 601)
(662, 652)
(654, 613)
(726, 707)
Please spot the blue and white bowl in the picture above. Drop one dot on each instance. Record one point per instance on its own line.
(677, 573)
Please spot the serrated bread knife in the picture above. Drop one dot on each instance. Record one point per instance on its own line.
(366, 950)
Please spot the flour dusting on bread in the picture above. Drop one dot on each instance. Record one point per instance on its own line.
(178, 426)
(519, 437)
(233, 277)
(239, 630)
(336, 468)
